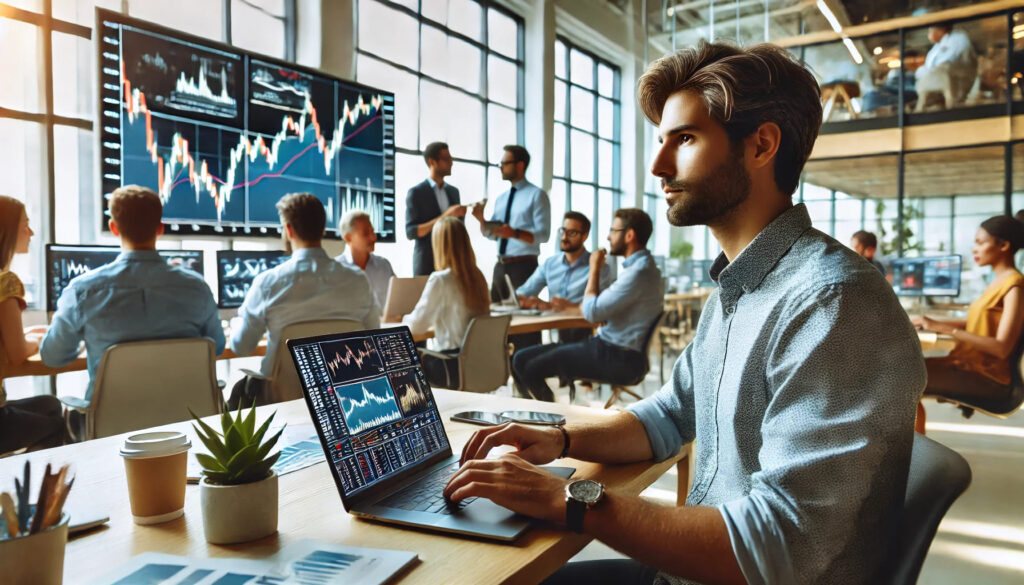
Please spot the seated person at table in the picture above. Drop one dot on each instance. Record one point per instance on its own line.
(866, 243)
(309, 286)
(455, 293)
(980, 364)
(627, 310)
(949, 69)
(564, 275)
(799, 388)
(34, 422)
(134, 298)
(360, 240)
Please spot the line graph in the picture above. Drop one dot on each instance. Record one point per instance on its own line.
(351, 359)
(409, 392)
(367, 404)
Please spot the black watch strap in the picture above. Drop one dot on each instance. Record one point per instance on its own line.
(574, 510)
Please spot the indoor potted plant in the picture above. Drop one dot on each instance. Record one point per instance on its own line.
(238, 490)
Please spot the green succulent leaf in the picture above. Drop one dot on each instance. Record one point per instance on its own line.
(234, 440)
(250, 422)
(266, 447)
(209, 463)
(214, 445)
(258, 436)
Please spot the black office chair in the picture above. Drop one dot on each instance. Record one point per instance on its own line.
(997, 406)
(619, 389)
(938, 475)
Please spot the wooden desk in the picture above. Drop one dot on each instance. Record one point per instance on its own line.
(34, 365)
(310, 507)
(936, 342)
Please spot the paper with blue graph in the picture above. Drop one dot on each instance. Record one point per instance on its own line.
(306, 562)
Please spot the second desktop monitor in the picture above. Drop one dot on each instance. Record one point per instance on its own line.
(236, 270)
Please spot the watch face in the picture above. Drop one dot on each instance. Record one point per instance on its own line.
(586, 490)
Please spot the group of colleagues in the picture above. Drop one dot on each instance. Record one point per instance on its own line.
(799, 388)
(139, 297)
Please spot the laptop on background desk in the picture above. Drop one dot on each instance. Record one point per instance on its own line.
(403, 294)
(382, 434)
(512, 306)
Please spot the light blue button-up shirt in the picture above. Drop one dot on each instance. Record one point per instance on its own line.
(309, 286)
(441, 194)
(568, 281)
(531, 212)
(630, 305)
(134, 298)
(800, 390)
(378, 271)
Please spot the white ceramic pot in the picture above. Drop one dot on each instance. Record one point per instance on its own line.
(239, 513)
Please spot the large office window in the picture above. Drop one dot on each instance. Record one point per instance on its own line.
(587, 140)
(456, 68)
(48, 103)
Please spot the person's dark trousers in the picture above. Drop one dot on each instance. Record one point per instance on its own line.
(519, 272)
(606, 571)
(442, 372)
(595, 359)
(575, 334)
(36, 423)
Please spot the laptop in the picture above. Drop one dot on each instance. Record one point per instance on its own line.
(403, 294)
(512, 306)
(382, 434)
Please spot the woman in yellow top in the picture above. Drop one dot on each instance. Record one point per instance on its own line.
(980, 365)
(34, 422)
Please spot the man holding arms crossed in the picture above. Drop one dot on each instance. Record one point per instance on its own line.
(799, 388)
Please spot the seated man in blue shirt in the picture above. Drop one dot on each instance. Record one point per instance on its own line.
(627, 310)
(134, 298)
(799, 388)
(309, 286)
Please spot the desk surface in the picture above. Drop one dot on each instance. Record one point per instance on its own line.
(520, 324)
(310, 507)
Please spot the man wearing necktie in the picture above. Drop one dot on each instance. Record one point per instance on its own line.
(521, 222)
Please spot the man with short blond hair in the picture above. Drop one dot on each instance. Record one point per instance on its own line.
(134, 298)
(799, 390)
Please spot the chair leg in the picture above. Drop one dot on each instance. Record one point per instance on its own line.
(967, 411)
(616, 390)
(920, 420)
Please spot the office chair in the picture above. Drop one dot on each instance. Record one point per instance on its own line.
(999, 407)
(619, 389)
(283, 383)
(142, 384)
(483, 358)
(938, 475)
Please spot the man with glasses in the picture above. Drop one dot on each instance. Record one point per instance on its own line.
(564, 275)
(428, 202)
(521, 222)
(626, 310)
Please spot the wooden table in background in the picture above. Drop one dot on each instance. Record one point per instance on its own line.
(310, 508)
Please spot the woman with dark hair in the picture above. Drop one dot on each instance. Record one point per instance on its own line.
(988, 341)
(34, 422)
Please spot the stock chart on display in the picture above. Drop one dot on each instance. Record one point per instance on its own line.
(236, 269)
(65, 262)
(222, 134)
(371, 402)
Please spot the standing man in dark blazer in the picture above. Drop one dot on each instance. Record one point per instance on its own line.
(428, 202)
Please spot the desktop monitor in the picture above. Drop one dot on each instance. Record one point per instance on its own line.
(64, 262)
(700, 273)
(236, 270)
(927, 276)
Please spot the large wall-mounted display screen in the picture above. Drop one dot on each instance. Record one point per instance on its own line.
(221, 134)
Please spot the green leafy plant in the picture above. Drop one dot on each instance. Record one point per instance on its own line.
(681, 250)
(238, 453)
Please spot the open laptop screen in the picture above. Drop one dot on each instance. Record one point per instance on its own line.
(236, 269)
(371, 403)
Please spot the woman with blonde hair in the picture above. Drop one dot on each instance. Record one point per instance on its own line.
(34, 422)
(455, 293)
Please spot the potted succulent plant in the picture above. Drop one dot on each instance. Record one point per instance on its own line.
(238, 490)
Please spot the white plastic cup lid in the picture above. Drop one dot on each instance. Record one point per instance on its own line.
(156, 444)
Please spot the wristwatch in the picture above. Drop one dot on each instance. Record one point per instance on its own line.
(580, 496)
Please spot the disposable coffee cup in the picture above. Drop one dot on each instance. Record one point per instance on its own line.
(155, 465)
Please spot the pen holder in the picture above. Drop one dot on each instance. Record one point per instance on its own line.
(36, 558)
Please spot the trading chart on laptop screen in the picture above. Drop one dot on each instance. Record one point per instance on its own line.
(373, 404)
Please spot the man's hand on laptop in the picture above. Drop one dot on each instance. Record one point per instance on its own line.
(513, 483)
(537, 445)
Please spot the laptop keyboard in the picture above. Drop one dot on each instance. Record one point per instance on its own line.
(426, 494)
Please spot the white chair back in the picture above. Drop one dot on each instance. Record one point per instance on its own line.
(142, 384)
(483, 359)
(285, 384)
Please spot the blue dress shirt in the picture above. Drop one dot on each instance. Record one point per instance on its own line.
(439, 192)
(568, 281)
(531, 212)
(134, 298)
(799, 391)
(309, 286)
(630, 305)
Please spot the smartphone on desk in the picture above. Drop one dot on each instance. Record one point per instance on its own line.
(479, 417)
(532, 417)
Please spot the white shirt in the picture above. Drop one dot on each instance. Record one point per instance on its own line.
(442, 307)
(378, 272)
(307, 287)
(441, 194)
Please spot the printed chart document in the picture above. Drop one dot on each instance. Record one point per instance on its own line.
(306, 562)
